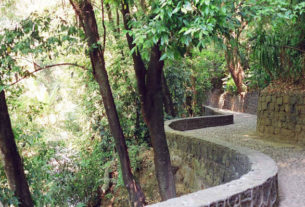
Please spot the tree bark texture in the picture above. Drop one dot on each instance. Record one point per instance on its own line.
(232, 54)
(109, 13)
(117, 20)
(13, 166)
(85, 11)
(114, 26)
(150, 91)
(167, 98)
(235, 67)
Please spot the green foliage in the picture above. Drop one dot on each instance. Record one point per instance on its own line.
(7, 196)
(279, 46)
(176, 25)
(35, 39)
(191, 77)
(229, 85)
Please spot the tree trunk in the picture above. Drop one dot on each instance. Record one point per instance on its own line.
(85, 11)
(109, 13)
(155, 122)
(143, 6)
(167, 98)
(117, 20)
(13, 166)
(235, 68)
(233, 59)
(150, 91)
(114, 26)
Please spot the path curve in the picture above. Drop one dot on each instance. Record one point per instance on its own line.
(290, 158)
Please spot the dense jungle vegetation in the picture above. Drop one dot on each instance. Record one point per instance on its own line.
(85, 86)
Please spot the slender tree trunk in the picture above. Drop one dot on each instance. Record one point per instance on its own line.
(155, 122)
(234, 63)
(150, 91)
(167, 98)
(13, 166)
(85, 11)
(109, 13)
(235, 68)
(117, 20)
(114, 26)
(194, 94)
(143, 6)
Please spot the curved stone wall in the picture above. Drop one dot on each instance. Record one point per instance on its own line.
(211, 119)
(282, 115)
(241, 177)
(246, 103)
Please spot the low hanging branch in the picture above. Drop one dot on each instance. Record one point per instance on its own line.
(40, 68)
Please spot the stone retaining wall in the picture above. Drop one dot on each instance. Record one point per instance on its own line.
(241, 177)
(224, 100)
(282, 115)
(202, 122)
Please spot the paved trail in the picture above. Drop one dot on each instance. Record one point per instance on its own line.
(290, 158)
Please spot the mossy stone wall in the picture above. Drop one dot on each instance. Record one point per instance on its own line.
(283, 115)
(209, 164)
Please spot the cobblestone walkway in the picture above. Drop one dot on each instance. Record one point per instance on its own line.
(290, 158)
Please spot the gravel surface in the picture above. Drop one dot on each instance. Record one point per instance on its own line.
(290, 158)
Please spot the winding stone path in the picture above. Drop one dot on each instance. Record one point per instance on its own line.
(290, 158)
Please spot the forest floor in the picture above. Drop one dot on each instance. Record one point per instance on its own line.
(290, 158)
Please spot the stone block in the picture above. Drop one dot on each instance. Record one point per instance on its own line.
(274, 123)
(300, 121)
(292, 119)
(247, 195)
(271, 106)
(213, 204)
(273, 99)
(266, 190)
(286, 99)
(293, 99)
(279, 124)
(279, 100)
(221, 204)
(282, 116)
(287, 108)
(301, 136)
(260, 129)
(298, 109)
(264, 105)
(291, 126)
(233, 201)
(267, 122)
(298, 128)
(270, 130)
(302, 109)
(268, 99)
(286, 132)
(277, 108)
(301, 99)
(259, 106)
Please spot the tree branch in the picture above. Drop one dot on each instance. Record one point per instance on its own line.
(39, 68)
(104, 27)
